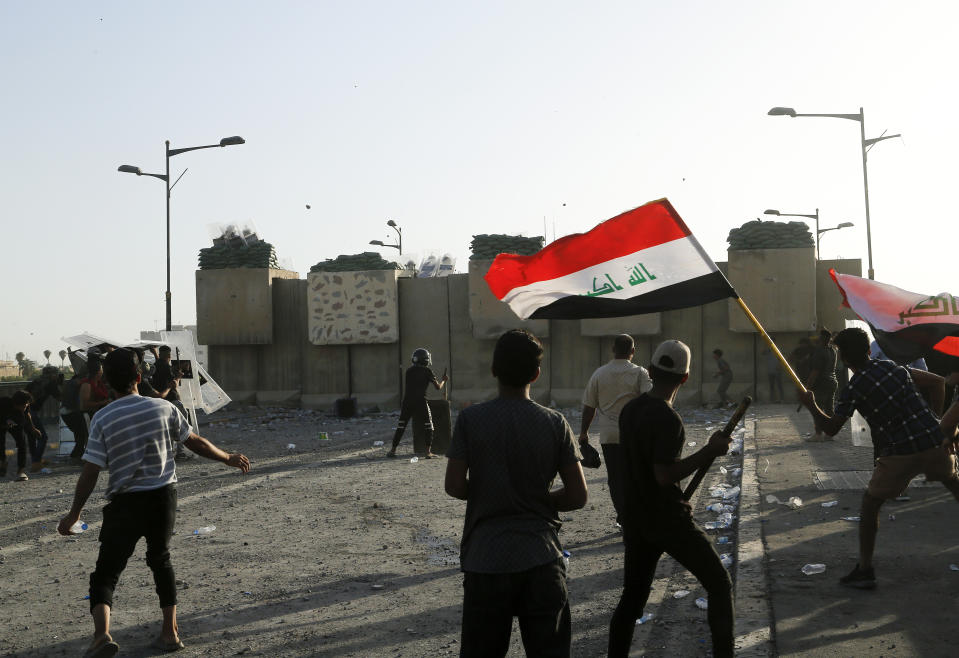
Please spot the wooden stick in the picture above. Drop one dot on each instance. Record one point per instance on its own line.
(772, 345)
(727, 430)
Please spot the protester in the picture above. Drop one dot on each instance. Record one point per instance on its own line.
(906, 435)
(418, 378)
(71, 411)
(134, 437)
(658, 519)
(609, 388)
(725, 374)
(166, 382)
(145, 388)
(821, 379)
(774, 373)
(44, 387)
(15, 418)
(503, 458)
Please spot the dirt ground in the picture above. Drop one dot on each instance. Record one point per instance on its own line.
(324, 548)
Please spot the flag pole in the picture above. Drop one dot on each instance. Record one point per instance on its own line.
(771, 344)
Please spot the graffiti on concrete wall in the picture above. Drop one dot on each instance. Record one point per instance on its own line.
(353, 307)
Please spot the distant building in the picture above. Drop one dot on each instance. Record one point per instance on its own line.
(9, 369)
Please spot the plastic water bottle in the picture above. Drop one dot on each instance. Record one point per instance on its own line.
(726, 559)
(810, 569)
(645, 618)
(566, 555)
(78, 527)
(723, 540)
(205, 530)
(794, 502)
(414, 460)
(702, 603)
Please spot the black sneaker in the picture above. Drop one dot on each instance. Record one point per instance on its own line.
(860, 578)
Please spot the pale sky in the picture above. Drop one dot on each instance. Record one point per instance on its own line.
(452, 119)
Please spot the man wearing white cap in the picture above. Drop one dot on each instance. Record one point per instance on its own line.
(657, 518)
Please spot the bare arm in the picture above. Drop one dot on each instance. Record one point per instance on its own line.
(85, 485)
(85, 402)
(456, 482)
(205, 448)
(949, 421)
(572, 495)
(933, 386)
(588, 414)
(829, 424)
(667, 474)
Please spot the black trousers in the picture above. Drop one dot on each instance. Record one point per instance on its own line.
(126, 518)
(537, 596)
(419, 411)
(17, 433)
(612, 455)
(689, 546)
(76, 422)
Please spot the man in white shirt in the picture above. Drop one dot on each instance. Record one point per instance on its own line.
(609, 389)
(136, 438)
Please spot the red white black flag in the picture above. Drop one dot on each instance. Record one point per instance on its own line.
(642, 261)
(907, 325)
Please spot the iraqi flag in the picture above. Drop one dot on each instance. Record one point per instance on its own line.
(907, 325)
(642, 261)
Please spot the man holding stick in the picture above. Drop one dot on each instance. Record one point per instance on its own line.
(658, 519)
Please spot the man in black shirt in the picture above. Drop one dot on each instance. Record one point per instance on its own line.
(657, 518)
(165, 384)
(14, 418)
(418, 378)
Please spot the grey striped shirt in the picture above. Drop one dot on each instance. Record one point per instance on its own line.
(135, 436)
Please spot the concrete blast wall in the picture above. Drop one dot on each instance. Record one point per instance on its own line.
(458, 321)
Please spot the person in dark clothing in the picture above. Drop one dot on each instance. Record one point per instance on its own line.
(418, 378)
(166, 383)
(657, 518)
(46, 386)
(725, 374)
(822, 378)
(15, 418)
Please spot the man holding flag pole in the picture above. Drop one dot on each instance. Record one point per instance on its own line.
(642, 261)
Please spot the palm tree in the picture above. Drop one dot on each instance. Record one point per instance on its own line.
(63, 355)
(20, 356)
(46, 355)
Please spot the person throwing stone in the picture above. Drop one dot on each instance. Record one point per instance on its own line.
(136, 438)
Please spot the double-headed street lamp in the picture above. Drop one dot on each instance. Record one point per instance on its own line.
(399, 237)
(865, 145)
(130, 169)
(819, 231)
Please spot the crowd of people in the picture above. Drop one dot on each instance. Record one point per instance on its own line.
(503, 460)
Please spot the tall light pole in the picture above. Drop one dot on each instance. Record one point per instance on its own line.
(819, 231)
(865, 145)
(399, 236)
(169, 153)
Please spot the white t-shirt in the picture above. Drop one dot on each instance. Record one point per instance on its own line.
(608, 391)
(134, 437)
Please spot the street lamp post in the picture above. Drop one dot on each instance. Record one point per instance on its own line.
(819, 231)
(399, 236)
(169, 153)
(865, 145)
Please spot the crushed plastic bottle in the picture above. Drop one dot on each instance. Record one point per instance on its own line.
(726, 559)
(732, 494)
(810, 569)
(681, 593)
(722, 469)
(702, 603)
(892, 517)
(645, 618)
(291, 446)
(954, 567)
(205, 530)
(723, 540)
(830, 503)
(377, 444)
(413, 460)
(720, 508)
(795, 502)
(737, 472)
(851, 518)
(78, 527)
(772, 500)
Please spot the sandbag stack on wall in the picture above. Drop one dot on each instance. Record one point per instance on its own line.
(758, 234)
(488, 245)
(368, 260)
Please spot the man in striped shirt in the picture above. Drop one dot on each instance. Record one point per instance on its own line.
(136, 438)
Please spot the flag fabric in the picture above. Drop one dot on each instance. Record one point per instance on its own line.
(641, 261)
(907, 325)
